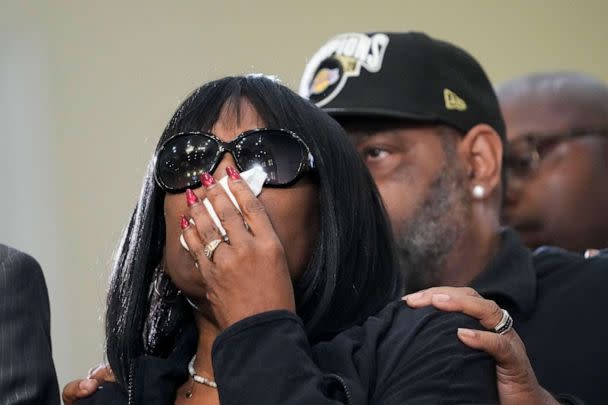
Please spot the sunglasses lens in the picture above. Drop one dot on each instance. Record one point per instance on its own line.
(184, 159)
(277, 152)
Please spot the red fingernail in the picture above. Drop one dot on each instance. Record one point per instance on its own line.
(191, 198)
(207, 180)
(232, 173)
(183, 223)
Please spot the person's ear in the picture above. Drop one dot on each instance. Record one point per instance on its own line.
(481, 148)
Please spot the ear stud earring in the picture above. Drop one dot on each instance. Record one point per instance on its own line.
(479, 192)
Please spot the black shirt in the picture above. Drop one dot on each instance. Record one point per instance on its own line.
(400, 356)
(556, 300)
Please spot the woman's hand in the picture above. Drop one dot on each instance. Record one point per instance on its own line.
(516, 380)
(79, 389)
(248, 274)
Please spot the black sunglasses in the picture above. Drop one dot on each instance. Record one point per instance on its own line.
(181, 159)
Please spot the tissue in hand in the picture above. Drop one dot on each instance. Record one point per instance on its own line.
(254, 177)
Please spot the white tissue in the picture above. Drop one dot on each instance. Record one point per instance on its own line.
(254, 178)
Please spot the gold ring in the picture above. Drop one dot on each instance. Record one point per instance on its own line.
(210, 248)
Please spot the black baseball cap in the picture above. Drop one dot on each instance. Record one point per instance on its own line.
(408, 76)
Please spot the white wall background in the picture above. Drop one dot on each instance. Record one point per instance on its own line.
(86, 88)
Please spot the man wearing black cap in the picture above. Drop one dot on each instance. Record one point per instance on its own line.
(410, 93)
(426, 120)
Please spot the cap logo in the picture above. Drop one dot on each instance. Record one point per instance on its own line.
(452, 101)
(339, 59)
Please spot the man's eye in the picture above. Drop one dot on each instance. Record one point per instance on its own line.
(544, 148)
(374, 153)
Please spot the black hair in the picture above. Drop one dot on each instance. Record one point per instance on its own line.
(352, 273)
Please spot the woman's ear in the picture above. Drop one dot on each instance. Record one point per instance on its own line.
(481, 149)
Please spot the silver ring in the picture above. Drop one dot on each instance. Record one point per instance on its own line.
(210, 248)
(505, 324)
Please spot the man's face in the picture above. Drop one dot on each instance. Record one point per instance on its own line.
(562, 201)
(418, 174)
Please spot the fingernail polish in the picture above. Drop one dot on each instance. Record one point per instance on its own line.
(183, 222)
(232, 173)
(191, 198)
(207, 180)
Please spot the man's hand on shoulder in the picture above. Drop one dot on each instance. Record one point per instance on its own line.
(516, 380)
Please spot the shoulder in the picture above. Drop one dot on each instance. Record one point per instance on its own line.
(19, 271)
(11, 258)
(404, 332)
(8, 254)
(399, 330)
(553, 262)
(421, 357)
(403, 318)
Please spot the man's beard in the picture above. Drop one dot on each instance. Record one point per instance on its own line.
(425, 240)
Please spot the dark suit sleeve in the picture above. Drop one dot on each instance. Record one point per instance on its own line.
(27, 372)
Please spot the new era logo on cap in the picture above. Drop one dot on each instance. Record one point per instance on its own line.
(452, 101)
(408, 76)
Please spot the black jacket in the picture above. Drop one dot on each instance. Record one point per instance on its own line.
(27, 372)
(401, 356)
(556, 300)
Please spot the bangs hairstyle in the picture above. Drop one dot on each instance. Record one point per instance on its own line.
(352, 272)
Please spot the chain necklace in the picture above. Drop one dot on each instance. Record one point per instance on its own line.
(198, 378)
